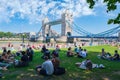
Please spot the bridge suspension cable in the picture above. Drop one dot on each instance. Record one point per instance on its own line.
(108, 31)
(83, 32)
(79, 30)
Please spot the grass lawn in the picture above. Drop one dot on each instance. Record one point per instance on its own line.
(111, 71)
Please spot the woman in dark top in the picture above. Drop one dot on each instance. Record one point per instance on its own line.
(24, 60)
(69, 52)
(43, 49)
(116, 55)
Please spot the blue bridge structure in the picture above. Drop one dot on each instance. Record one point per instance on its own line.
(85, 34)
(67, 26)
(109, 34)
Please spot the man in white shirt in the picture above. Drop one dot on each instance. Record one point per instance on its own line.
(84, 53)
(47, 67)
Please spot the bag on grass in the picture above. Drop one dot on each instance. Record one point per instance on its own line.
(59, 71)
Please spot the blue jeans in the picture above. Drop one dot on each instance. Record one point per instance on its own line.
(4, 64)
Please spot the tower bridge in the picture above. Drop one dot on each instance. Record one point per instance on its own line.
(68, 26)
(65, 27)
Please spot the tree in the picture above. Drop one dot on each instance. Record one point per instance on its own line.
(1, 34)
(111, 6)
(8, 34)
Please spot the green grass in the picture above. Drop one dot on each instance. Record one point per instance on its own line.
(111, 71)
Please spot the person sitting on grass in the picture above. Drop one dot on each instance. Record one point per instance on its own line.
(83, 53)
(108, 56)
(10, 56)
(45, 51)
(46, 68)
(30, 53)
(56, 63)
(116, 56)
(5, 58)
(3, 65)
(18, 53)
(57, 48)
(23, 62)
(54, 52)
(103, 53)
(12, 48)
(69, 52)
(4, 50)
(76, 50)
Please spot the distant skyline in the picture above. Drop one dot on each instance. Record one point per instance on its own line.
(26, 15)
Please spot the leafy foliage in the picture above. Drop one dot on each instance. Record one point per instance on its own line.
(6, 34)
(111, 6)
(12, 35)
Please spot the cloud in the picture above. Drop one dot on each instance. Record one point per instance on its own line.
(36, 10)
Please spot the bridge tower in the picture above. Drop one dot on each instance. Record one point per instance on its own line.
(45, 28)
(119, 36)
(67, 20)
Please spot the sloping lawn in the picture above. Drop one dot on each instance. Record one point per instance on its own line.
(111, 71)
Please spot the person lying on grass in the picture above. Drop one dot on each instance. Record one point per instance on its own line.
(88, 65)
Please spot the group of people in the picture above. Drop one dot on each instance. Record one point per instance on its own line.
(7, 58)
(51, 64)
(26, 57)
(81, 53)
(108, 56)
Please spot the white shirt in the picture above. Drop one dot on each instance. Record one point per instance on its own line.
(48, 66)
(83, 54)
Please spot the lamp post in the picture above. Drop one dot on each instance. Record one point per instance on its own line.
(23, 37)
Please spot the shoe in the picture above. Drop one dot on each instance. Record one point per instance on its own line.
(101, 66)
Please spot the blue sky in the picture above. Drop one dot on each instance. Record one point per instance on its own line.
(26, 15)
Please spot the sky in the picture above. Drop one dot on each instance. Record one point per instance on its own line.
(26, 15)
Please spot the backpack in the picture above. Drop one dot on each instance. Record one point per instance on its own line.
(59, 71)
